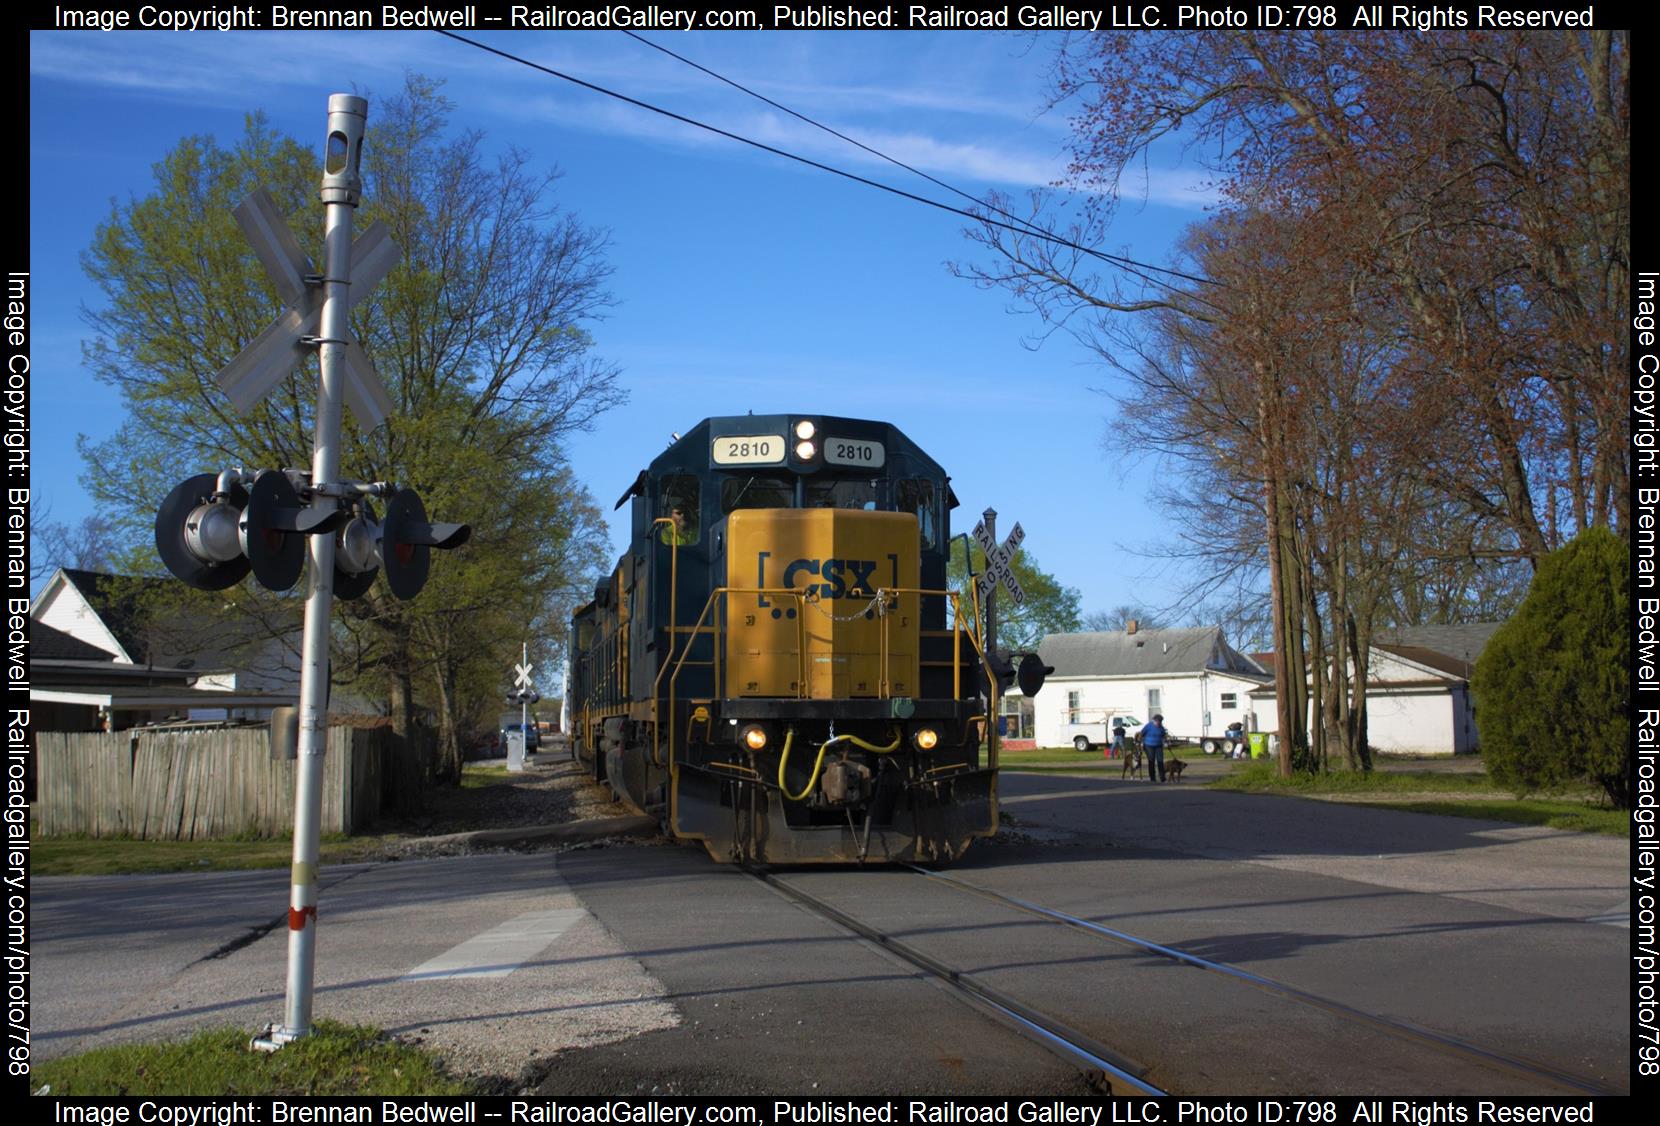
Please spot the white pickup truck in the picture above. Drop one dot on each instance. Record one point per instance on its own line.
(1095, 735)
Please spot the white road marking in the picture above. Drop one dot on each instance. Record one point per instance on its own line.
(500, 950)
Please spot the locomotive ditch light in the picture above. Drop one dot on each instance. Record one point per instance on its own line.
(754, 736)
(196, 533)
(925, 738)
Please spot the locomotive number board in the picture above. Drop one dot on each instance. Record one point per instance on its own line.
(861, 452)
(749, 449)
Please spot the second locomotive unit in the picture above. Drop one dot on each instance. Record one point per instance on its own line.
(775, 667)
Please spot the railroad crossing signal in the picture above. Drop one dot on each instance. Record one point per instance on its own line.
(291, 337)
(523, 692)
(999, 558)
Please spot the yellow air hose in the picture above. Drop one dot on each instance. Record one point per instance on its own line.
(784, 758)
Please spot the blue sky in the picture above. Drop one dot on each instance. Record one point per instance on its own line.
(744, 282)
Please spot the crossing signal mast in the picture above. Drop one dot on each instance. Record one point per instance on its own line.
(214, 529)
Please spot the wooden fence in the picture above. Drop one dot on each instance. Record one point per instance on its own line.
(198, 785)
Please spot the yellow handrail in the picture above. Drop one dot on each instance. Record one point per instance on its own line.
(697, 628)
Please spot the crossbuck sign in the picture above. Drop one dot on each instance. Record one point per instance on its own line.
(292, 337)
(998, 558)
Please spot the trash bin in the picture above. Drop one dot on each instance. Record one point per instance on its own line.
(1259, 743)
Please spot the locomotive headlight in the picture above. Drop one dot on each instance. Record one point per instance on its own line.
(805, 450)
(754, 736)
(805, 429)
(925, 738)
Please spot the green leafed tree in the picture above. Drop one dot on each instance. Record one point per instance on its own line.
(1049, 606)
(481, 334)
(1553, 686)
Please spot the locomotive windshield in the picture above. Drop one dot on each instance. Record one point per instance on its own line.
(851, 492)
(756, 491)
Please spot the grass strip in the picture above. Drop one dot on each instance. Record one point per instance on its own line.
(336, 1059)
(1577, 810)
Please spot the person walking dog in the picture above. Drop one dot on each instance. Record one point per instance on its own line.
(1153, 738)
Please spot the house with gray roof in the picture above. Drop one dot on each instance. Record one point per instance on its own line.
(96, 661)
(1192, 676)
(1417, 690)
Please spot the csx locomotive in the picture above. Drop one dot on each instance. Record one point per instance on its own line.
(775, 667)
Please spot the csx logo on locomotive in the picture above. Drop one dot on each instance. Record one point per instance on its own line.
(843, 578)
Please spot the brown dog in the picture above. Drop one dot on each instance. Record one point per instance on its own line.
(1132, 763)
(1174, 769)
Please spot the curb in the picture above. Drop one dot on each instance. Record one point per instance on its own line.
(573, 832)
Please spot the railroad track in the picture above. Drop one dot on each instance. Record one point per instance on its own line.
(1102, 1066)
(1103, 1069)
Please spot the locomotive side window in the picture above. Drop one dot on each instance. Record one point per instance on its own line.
(756, 492)
(918, 497)
(679, 502)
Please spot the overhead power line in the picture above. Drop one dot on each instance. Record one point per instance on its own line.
(1026, 225)
(1027, 229)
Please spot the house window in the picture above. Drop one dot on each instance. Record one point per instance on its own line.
(1072, 707)
(1230, 701)
(1154, 704)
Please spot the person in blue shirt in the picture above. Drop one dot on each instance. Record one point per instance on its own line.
(1153, 737)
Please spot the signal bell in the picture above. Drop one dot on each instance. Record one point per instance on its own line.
(357, 553)
(407, 540)
(196, 533)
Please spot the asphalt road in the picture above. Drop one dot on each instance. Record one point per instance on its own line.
(637, 968)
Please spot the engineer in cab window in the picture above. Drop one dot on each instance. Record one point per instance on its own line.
(683, 529)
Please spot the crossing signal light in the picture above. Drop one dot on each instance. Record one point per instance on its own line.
(1032, 673)
(407, 540)
(211, 531)
(196, 532)
(273, 528)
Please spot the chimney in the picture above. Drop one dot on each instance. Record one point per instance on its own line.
(1129, 626)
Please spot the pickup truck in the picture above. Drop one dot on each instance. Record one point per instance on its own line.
(1086, 737)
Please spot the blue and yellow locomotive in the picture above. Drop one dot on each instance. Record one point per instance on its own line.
(775, 668)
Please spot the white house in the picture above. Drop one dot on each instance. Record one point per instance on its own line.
(92, 660)
(1192, 677)
(1417, 690)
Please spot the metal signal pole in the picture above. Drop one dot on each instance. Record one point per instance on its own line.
(341, 193)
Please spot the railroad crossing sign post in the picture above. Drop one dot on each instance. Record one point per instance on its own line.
(345, 375)
(521, 678)
(999, 558)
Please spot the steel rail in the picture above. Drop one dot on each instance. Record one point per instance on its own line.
(1100, 1065)
(1406, 1030)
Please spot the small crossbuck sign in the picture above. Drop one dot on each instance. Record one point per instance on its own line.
(521, 675)
(284, 346)
(998, 558)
